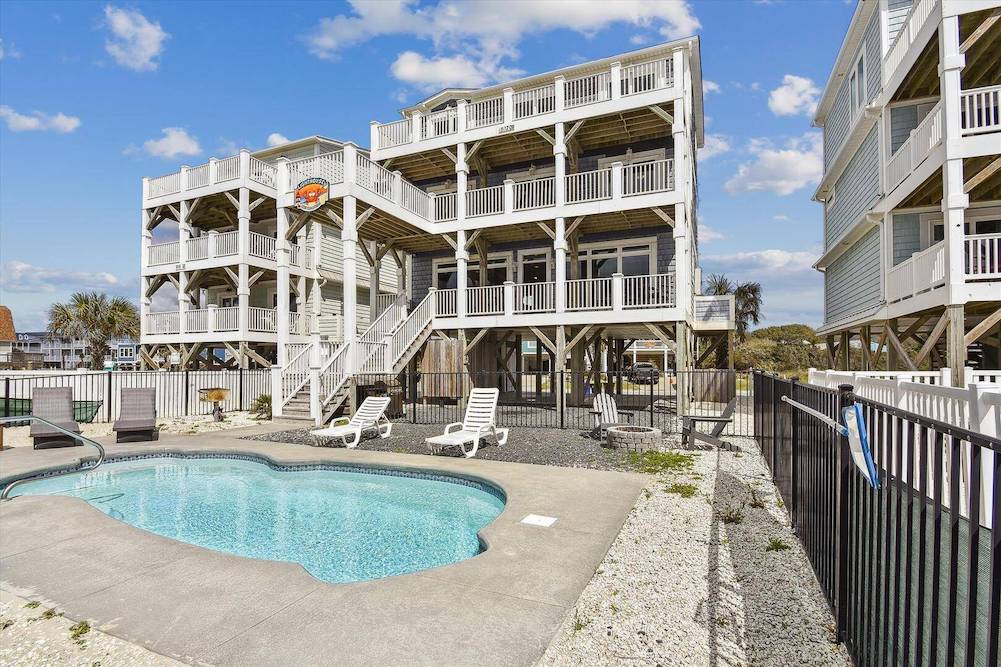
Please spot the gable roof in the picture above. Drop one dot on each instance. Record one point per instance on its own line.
(7, 334)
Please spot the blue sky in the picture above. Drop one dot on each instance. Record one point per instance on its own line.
(95, 96)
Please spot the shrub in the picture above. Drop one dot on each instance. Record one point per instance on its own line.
(261, 407)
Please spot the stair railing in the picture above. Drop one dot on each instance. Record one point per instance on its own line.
(295, 375)
(412, 327)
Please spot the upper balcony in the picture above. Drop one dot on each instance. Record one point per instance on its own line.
(592, 89)
(925, 271)
(220, 249)
(242, 170)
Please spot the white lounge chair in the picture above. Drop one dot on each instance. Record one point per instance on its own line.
(477, 424)
(371, 414)
(606, 414)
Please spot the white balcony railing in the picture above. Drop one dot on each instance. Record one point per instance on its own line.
(921, 10)
(654, 291)
(228, 169)
(587, 90)
(227, 243)
(262, 246)
(227, 319)
(329, 166)
(485, 113)
(537, 193)
(589, 186)
(196, 321)
(165, 185)
(262, 319)
(396, 133)
(163, 323)
(920, 273)
(439, 123)
(645, 77)
(485, 201)
(199, 176)
(445, 302)
(263, 173)
(214, 171)
(983, 256)
(164, 253)
(589, 294)
(980, 110)
(198, 247)
(535, 102)
(295, 324)
(444, 207)
(485, 300)
(535, 297)
(926, 136)
(647, 177)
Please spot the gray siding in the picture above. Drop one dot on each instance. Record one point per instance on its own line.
(332, 260)
(842, 117)
(905, 119)
(852, 281)
(906, 236)
(856, 190)
(897, 14)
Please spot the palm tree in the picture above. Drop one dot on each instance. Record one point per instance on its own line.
(95, 318)
(747, 306)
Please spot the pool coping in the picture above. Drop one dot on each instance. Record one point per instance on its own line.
(502, 606)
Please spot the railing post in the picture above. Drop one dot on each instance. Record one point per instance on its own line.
(461, 107)
(276, 389)
(398, 187)
(793, 455)
(212, 170)
(616, 76)
(616, 180)
(107, 398)
(508, 106)
(617, 296)
(211, 325)
(373, 135)
(184, 177)
(350, 162)
(508, 298)
(945, 377)
(846, 398)
(559, 93)
(433, 302)
(415, 130)
(508, 195)
(187, 392)
(432, 207)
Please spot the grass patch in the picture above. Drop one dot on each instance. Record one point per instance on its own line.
(730, 514)
(579, 623)
(683, 490)
(757, 502)
(659, 462)
(776, 544)
(32, 605)
(78, 631)
(6, 623)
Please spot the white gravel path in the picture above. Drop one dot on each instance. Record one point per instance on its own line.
(679, 586)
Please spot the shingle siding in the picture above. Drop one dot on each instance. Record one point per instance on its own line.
(852, 281)
(856, 190)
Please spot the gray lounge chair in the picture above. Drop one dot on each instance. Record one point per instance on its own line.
(137, 416)
(54, 404)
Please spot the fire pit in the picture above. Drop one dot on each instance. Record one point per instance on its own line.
(634, 438)
(214, 395)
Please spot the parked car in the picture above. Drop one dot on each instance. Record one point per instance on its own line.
(643, 372)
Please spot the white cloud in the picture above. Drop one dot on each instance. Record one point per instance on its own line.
(715, 144)
(796, 95)
(710, 87)
(38, 121)
(781, 170)
(227, 147)
(175, 141)
(275, 139)
(9, 51)
(19, 276)
(472, 41)
(768, 261)
(781, 217)
(135, 41)
(707, 234)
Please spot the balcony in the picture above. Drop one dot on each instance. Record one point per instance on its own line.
(918, 146)
(225, 245)
(921, 13)
(216, 320)
(617, 86)
(926, 270)
(213, 176)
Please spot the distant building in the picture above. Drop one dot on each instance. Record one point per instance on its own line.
(7, 336)
(61, 353)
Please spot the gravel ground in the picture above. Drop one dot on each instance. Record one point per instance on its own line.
(547, 446)
(19, 435)
(31, 636)
(682, 586)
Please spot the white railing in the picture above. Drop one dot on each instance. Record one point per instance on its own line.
(485, 113)
(263, 173)
(167, 322)
(388, 318)
(165, 185)
(920, 11)
(262, 246)
(537, 193)
(645, 77)
(535, 297)
(328, 166)
(333, 373)
(587, 90)
(439, 123)
(445, 302)
(983, 256)
(373, 176)
(227, 243)
(485, 201)
(920, 273)
(589, 294)
(414, 199)
(396, 133)
(384, 301)
(487, 300)
(295, 373)
(262, 319)
(713, 308)
(653, 291)
(227, 169)
(295, 255)
(412, 327)
(198, 247)
(295, 322)
(164, 253)
(980, 110)
(371, 356)
(227, 319)
(196, 321)
(926, 136)
(589, 186)
(647, 177)
(198, 176)
(535, 102)
(444, 207)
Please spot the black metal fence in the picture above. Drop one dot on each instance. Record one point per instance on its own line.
(531, 399)
(96, 394)
(912, 570)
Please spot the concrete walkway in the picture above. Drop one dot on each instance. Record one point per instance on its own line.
(202, 606)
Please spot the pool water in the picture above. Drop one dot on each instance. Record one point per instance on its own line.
(340, 525)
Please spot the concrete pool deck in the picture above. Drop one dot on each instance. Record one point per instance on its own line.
(200, 606)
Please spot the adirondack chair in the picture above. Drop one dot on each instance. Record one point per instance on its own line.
(478, 423)
(606, 414)
(371, 414)
(690, 422)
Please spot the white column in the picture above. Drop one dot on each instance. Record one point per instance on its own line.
(145, 242)
(616, 78)
(243, 288)
(560, 253)
(460, 115)
(416, 128)
(954, 200)
(560, 161)
(373, 136)
(559, 93)
(508, 106)
(349, 237)
(373, 282)
(461, 176)
(283, 255)
(461, 258)
(183, 234)
(682, 238)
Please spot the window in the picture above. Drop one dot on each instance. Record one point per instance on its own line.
(497, 272)
(604, 260)
(125, 352)
(856, 84)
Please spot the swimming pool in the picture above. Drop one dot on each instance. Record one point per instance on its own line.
(341, 523)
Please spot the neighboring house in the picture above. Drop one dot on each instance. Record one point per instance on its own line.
(7, 335)
(222, 259)
(912, 185)
(56, 352)
(557, 208)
